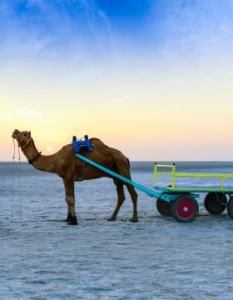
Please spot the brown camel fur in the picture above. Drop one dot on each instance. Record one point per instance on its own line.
(70, 168)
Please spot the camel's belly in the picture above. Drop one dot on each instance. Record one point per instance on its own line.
(79, 177)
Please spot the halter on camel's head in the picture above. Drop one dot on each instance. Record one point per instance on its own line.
(23, 138)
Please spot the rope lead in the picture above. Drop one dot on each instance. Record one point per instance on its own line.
(12, 189)
(19, 189)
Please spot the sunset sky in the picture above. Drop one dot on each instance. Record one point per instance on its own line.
(151, 78)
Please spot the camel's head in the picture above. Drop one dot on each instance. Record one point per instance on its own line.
(20, 135)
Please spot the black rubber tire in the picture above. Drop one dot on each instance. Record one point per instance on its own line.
(230, 207)
(212, 204)
(164, 207)
(179, 206)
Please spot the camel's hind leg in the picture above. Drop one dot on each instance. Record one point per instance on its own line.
(70, 200)
(124, 170)
(134, 197)
(121, 198)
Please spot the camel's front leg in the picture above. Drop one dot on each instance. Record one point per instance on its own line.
(69, 215)
(70, 200)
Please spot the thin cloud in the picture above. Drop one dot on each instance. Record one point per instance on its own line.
(30, 113)
(7, 116)
(19, 111)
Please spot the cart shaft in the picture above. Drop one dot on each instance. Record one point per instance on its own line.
(136, 185)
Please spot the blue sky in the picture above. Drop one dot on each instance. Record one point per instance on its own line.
(114, 32)
(163, 65)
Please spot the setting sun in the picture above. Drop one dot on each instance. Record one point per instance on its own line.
(49, 149)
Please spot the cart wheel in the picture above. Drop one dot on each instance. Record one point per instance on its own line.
(230, 207)
(185, 209)
(163, 207)
(213, 203)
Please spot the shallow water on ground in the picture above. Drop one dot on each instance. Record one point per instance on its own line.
(156, 258)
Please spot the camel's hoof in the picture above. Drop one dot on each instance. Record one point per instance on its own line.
(111, 219)
(134, 220)
(73, 221)
(68, 219)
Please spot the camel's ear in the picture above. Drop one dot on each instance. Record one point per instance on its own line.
(30, 133)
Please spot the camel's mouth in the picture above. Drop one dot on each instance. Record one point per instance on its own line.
(16, 134)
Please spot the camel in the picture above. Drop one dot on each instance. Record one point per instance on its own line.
(71, 168)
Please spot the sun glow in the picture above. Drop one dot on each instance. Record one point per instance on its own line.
(49, 149)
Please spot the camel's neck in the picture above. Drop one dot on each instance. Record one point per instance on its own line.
(42, 163)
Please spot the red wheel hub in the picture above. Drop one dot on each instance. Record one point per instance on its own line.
(185, 209)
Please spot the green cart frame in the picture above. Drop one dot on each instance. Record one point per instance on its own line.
(180, 202)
